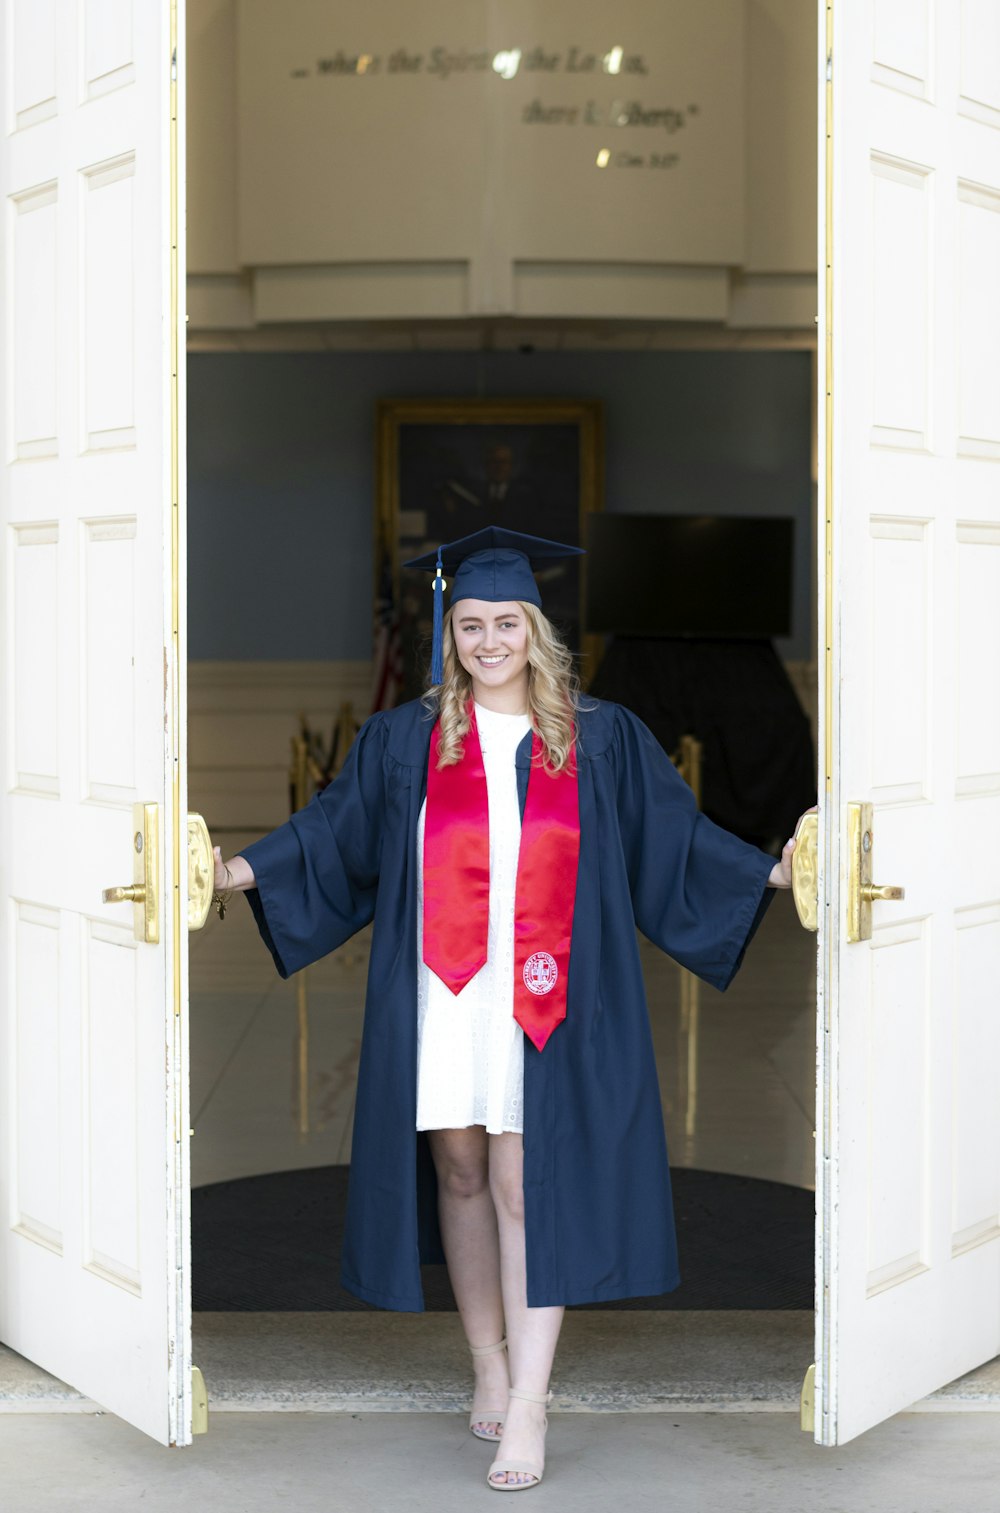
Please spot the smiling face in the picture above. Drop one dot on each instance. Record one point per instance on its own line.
(491, 641)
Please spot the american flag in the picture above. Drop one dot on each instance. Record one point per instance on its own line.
(388, 648)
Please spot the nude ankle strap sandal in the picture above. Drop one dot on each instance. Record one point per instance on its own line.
(522, 1467)
(487, 1415)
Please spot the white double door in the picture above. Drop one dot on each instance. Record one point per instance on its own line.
(93, 1141)
(94, 1261)
(908, 1119)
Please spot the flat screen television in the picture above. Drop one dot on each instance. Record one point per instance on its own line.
(689, 575)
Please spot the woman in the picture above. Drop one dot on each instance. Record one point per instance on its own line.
(507, 837)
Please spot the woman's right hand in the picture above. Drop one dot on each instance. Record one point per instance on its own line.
(234, 876)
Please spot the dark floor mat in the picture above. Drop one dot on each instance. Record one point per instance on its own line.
(272, 1244)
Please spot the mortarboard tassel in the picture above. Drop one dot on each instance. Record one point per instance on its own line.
(437, 645)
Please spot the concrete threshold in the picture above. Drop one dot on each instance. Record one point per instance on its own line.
(627, 1362)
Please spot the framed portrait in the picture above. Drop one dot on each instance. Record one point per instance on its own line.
(448, 467)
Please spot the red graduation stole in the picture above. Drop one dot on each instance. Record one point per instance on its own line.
(457, 880)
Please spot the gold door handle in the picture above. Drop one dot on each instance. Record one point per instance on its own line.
(142, 891)
(201, 872)
(805, 875)
(135, 894)
(884, 890)
(861, 891)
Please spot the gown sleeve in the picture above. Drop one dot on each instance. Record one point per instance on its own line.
(316, 875)
(698, 891)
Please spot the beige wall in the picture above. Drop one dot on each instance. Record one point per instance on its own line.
(781, 137)
(211, 136)
(243, 716)
(732, 244)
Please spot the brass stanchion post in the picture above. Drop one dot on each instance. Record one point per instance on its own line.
(300, 772)
(689, 767)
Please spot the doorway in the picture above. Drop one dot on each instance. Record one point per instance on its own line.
(709, 428)
(702, 416)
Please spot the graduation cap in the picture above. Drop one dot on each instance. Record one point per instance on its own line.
(493, 564)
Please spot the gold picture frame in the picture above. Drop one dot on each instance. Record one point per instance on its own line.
(446, 467)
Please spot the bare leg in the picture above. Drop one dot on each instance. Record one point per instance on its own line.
(469, 1233)
(532, 1333)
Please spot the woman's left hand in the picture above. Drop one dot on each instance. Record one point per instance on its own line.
(781, 872)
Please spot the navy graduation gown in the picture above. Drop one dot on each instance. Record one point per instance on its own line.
(598, 1212)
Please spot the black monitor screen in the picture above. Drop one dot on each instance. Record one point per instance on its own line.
(689, 575)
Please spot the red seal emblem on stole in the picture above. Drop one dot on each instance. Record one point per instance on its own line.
(540, 973)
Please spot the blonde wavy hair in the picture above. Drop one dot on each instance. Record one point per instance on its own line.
(553, 692)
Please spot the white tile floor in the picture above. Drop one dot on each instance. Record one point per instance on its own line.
(736, 1069)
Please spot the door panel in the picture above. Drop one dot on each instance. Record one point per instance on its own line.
(908, 1174)
(93, 1150)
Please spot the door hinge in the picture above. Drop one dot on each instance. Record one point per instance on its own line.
(199, 1402)
(807, 1401)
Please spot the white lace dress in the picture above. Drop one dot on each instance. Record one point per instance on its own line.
(470, 1048)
